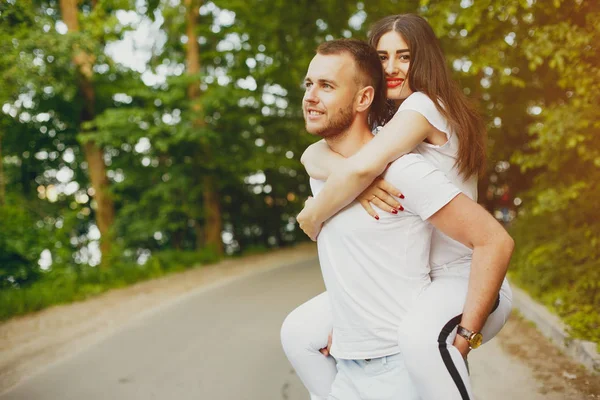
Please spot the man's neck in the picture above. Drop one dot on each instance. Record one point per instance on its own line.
(349, 142)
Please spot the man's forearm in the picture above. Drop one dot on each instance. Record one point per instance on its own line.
(488, 269)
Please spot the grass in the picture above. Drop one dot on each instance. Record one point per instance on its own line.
(67, 286)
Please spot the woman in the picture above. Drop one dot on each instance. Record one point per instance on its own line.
(433, 118)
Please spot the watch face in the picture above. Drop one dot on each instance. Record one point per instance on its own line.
(476, 340)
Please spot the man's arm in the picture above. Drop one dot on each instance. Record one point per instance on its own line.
(467, 222)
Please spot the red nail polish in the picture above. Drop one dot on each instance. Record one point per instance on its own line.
(401, 208)
(377, 217)
(394, 211)
(401, 196)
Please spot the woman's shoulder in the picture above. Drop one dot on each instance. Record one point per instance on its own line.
(417, 100)
(424, 105)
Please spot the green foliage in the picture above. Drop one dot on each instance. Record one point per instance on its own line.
(556, 260)
(532, 66)
(18, 246)
(65, 286)
(558, 233)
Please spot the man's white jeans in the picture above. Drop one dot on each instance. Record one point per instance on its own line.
(384, 378)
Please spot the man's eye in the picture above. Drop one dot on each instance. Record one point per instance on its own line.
(307, 85)
(327, 86)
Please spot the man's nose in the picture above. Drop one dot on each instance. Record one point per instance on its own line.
(310, 96)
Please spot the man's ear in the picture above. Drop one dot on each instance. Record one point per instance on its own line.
(364, 98)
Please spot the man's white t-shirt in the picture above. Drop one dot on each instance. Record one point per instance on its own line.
(374, 270)
(445, 252)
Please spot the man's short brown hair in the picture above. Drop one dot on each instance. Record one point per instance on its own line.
(369, 71)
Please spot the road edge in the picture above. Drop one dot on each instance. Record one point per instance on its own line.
(552, 327)
(12, 374)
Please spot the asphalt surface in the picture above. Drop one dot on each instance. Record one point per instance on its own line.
(223, 343)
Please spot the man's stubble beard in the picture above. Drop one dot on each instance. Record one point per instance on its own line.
(338, 125)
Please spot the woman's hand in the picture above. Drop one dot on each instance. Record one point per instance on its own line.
(326, 351)
(380, 193)
(462, 345)
(307, 222)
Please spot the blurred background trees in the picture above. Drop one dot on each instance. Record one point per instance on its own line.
(142, 136)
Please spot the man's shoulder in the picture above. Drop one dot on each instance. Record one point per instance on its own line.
(411, 161)
(409, 169)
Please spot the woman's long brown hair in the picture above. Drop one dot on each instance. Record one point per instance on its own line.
(429, 74)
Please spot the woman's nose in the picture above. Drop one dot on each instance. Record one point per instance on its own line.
(390, 67)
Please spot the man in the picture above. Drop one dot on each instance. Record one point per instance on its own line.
(374, 270)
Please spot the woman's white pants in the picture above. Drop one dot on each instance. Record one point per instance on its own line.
(435, 366)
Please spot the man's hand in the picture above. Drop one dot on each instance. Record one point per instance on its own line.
(462, 345)
(325, 350)
(307, 223)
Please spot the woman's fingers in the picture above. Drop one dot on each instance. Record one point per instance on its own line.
(389, 188)
(367, 206)
(384, 206)
(387, 202)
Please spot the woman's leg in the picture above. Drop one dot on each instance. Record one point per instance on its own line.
(304, 332)
(499, 316)
(427, 334)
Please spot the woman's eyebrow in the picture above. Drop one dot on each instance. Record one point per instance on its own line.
(397, 51)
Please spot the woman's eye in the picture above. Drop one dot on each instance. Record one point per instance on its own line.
(382, 58)
(307, 85)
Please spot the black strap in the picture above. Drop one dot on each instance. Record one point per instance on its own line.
(447, 358)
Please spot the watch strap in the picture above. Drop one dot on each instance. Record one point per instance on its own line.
(464, 332)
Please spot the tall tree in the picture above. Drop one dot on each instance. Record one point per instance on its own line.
(105, 211)
(212, 206)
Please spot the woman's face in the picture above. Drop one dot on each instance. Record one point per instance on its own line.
(395, 58)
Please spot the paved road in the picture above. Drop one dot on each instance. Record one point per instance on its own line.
(223, 343)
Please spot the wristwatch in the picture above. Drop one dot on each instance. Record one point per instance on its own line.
(474, 338)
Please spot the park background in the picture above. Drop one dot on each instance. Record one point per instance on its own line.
(142, 138)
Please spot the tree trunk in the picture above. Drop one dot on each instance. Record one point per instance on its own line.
(2, 181)
(105, 211)
(178, 240)
(212, 205)
(192, 48)
(200, 237)
(212, 215)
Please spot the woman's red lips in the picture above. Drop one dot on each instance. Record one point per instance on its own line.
(394, 83)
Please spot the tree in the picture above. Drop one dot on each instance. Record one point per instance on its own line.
(212, 207)
(83, 60)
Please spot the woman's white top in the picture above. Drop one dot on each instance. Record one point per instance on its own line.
(445, 252)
